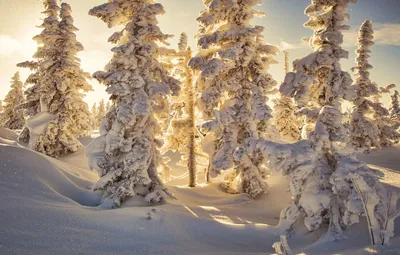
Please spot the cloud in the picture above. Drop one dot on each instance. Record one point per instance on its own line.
(10, 46)
(292, 46)
(385, 34)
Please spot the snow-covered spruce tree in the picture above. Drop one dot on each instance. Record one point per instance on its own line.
(101, 113)
(320, 171)
(93, 111)
(13, 118)
(126, 155)
(62, 82)
(31, 105)
(183, 135)
(233, 62)
(285, 117)
(395, 107)
(320, 182)
(365, 133)
(317, 79)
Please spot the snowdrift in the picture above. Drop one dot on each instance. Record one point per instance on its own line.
(47, 207)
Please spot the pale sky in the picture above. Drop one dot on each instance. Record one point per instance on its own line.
(283, 23)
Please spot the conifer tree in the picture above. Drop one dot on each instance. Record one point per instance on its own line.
(101, 113)
(395, 107)
(365, 133)
(233, 63)
(319, 176)
(126, 155)
(31, 106)
(13, 118)
(108, 106)
(285, 117)
(62, 82)
(94, 116)
(183, 135)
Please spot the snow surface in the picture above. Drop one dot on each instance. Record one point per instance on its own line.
(47, 207)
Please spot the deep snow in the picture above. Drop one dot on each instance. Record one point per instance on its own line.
(47, 207)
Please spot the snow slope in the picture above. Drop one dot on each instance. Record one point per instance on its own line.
(46, 207)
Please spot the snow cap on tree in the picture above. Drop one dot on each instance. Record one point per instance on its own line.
(126, 155)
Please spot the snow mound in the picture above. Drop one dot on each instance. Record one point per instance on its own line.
(47, 207)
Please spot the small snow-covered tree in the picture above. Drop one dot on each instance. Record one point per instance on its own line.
(285, 117)
(62, 82)
(94, 116)
(108, 106)
(183, 135)
(101, 113)
(126, 155)
(232, 66)
(13, 118)
(31, 105)
(364, 129)
(395, 106)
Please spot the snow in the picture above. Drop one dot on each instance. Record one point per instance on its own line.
(48, 208)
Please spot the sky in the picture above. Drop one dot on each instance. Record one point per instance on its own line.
(283, 28)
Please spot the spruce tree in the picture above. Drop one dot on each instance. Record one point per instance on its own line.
(101, 113)
(126, 155)
(285, 117)
(395, 107)
(94, 117)
(183, 135)
(365, 133)
(13, 118)
(62, 82)
(232, 66)
(320, 170)
(31, 106)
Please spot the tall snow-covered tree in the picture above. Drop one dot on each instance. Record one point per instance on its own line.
(183, 135)
(318, 79)
(285, 117)
(364, 129)
(126, 155)
(232, 66)
(62, 82)
(320, 175)
(13, 118)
